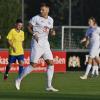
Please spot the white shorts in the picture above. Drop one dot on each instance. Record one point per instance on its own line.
(94, 51)
(37, 51)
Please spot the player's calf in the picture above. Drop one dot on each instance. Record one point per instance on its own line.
(5, 76)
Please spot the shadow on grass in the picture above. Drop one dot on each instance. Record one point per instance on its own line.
(47, 96)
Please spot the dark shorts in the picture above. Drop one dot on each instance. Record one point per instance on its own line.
(12, 59)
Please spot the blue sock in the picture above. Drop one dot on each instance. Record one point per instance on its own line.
(20, 70)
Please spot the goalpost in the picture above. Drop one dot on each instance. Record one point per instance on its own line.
(71, 36)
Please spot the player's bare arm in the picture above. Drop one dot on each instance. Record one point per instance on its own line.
(87, 43)
(11, 44)
(52, 32)
(83, 40)
(30, 29)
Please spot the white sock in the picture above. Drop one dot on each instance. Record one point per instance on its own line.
(88, 69)
(50, 72)
(93, 70)
(25, 72)
(97, 70)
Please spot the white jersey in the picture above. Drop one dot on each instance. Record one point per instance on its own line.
(42, 47)
(42, 26)
(94, 36)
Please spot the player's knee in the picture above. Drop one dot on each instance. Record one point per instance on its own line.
(33, 64)
(21, 63)
(94, 62)
(49, 62)
(90, 60)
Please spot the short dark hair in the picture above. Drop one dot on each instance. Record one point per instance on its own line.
(19, 21)
(44, 5)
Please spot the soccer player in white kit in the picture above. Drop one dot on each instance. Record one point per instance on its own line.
(40, 26)
(93, 34)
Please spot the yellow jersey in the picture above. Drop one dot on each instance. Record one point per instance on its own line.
(17, 39)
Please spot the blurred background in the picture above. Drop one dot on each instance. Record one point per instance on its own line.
(70, 20)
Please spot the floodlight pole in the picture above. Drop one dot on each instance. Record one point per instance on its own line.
(70, 3)
(23, 11)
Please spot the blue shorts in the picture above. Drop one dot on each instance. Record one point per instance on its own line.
(12, 59)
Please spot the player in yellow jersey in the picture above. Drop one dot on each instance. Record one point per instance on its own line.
(15, 39)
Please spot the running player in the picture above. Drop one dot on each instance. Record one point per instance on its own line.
(93, 35)
(40, 26)
(15, 40)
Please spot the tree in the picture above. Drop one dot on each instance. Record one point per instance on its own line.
(60, 10)
(10, 10)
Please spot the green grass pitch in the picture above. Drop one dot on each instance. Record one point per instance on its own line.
(33, 87)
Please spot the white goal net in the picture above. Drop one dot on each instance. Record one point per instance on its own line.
(71, 36)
